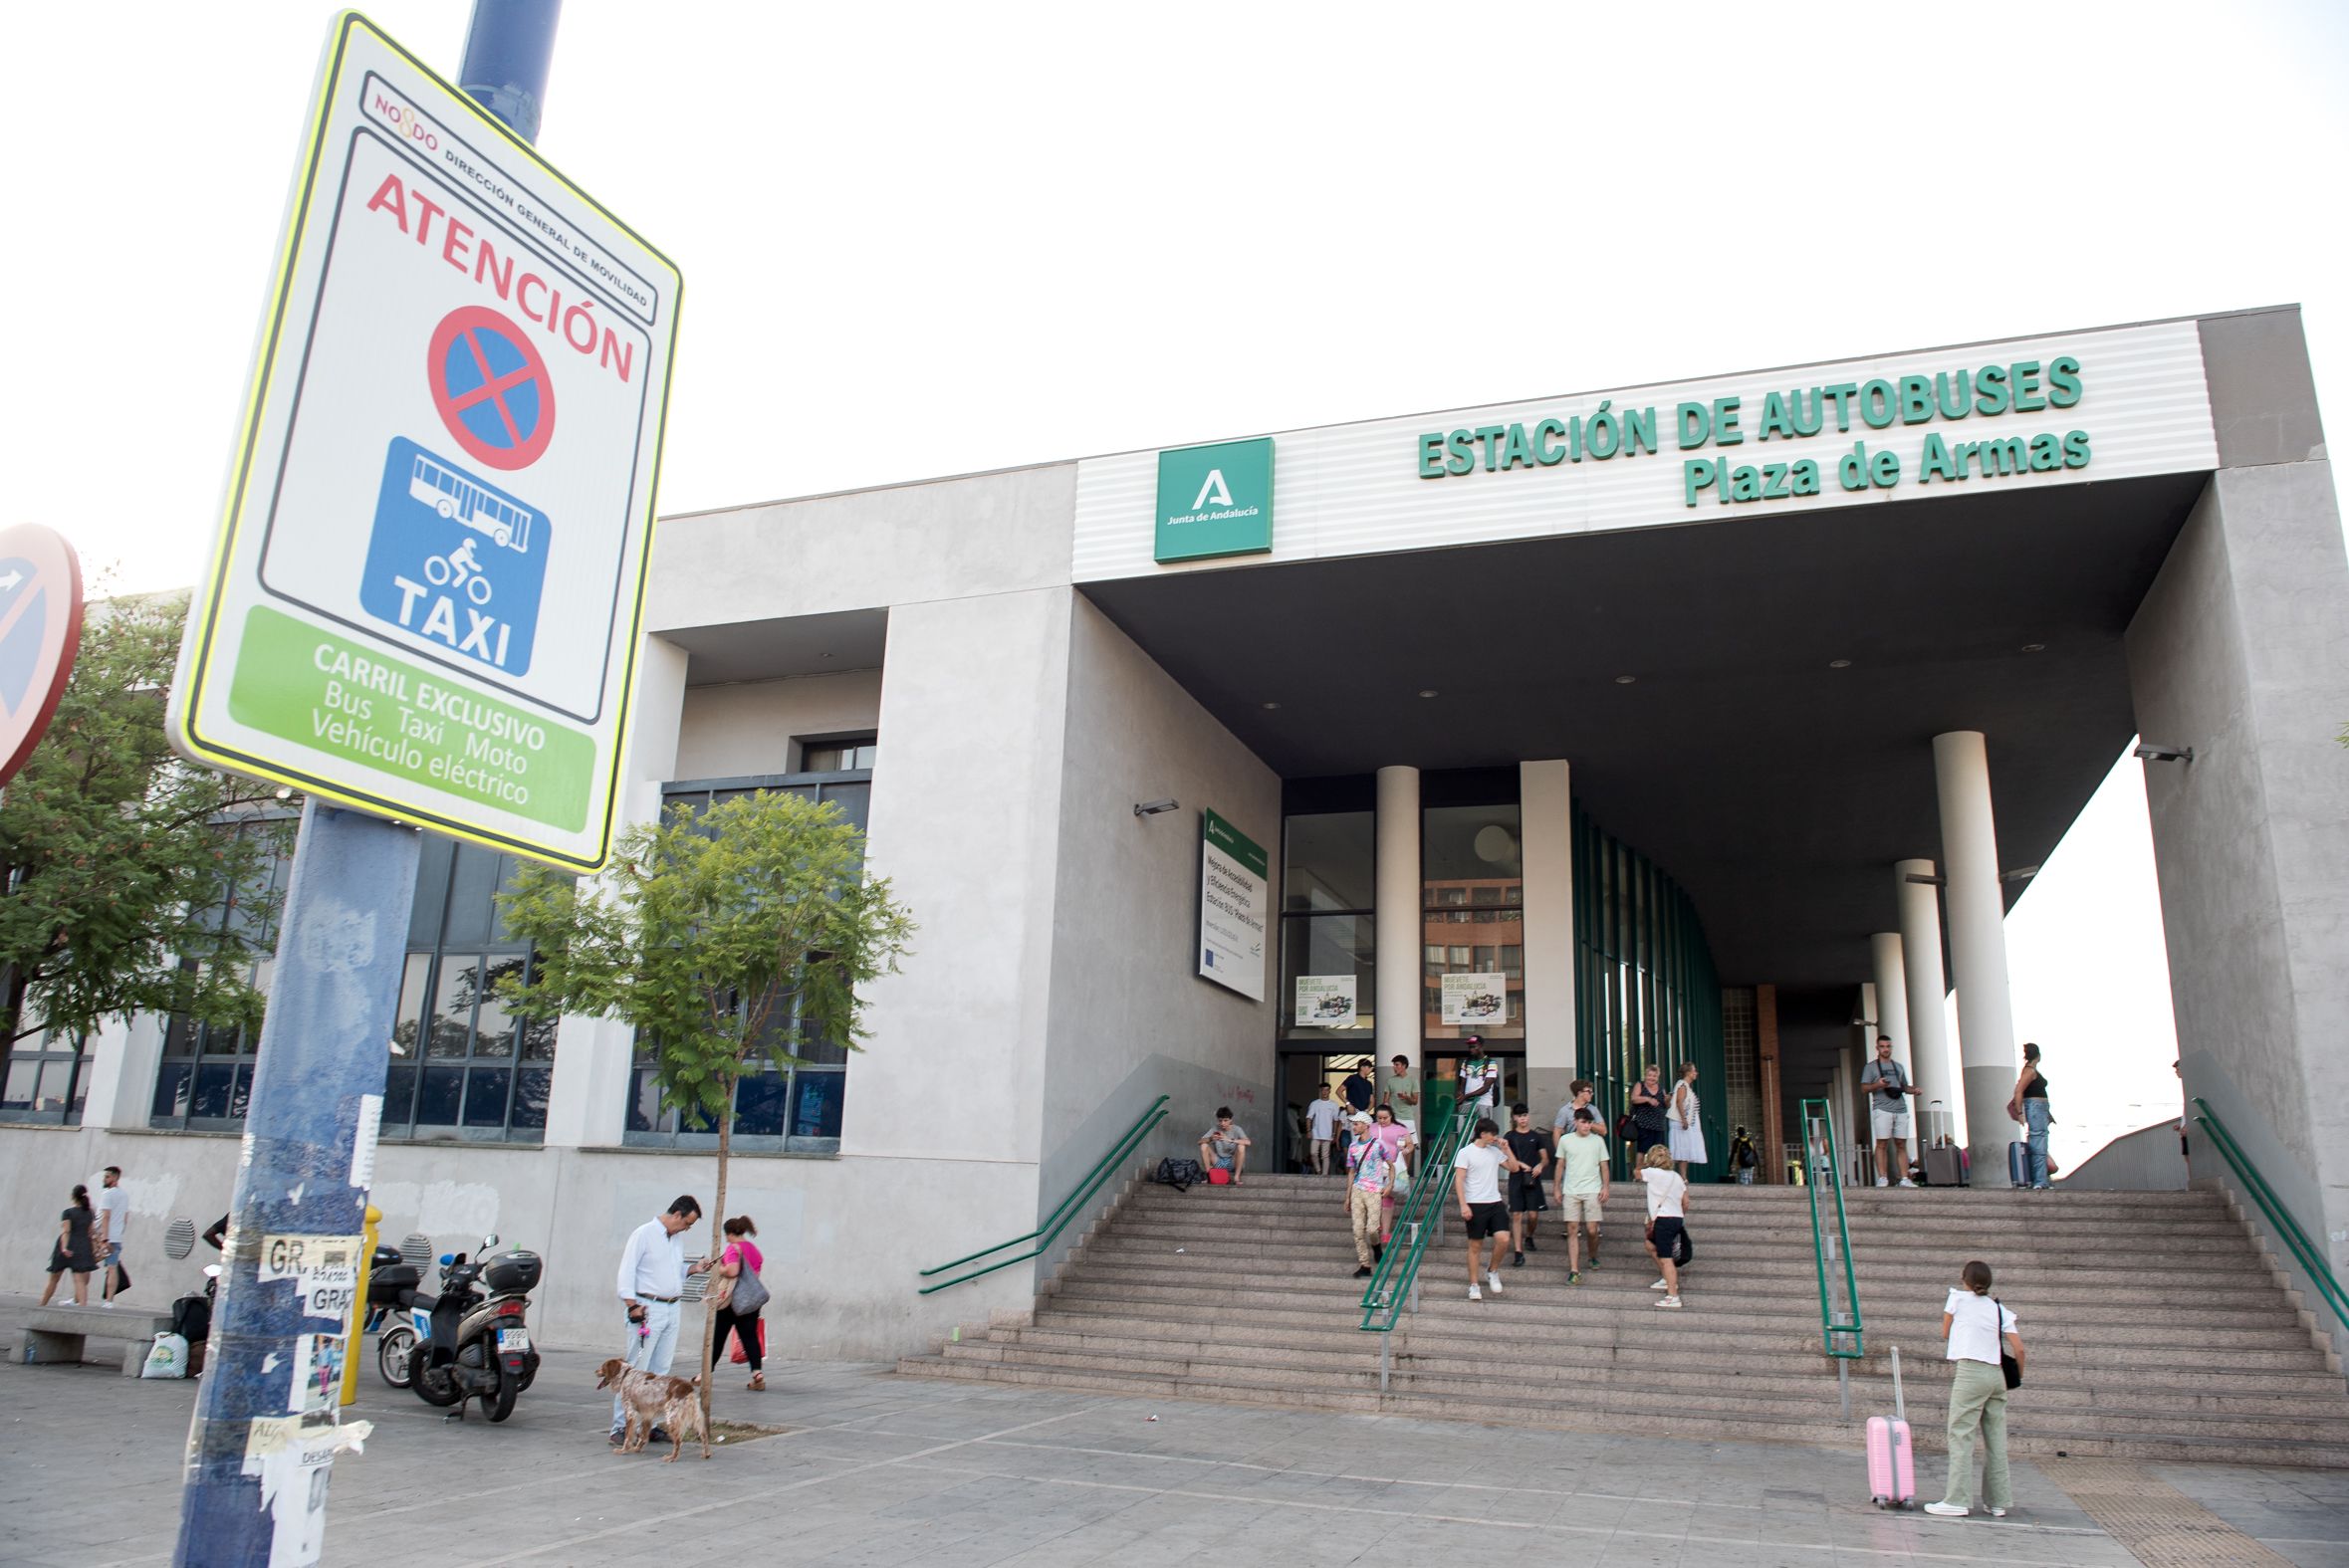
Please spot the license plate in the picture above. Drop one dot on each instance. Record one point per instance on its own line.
(513, 1339)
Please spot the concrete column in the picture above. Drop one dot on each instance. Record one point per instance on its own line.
(587, 1099)
(1547, 841)
(1977, 942)
(1920, 946)
(1401, 923)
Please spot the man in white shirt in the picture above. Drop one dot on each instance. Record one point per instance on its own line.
(651, 1280)
(114, 1223)
(1475, 1186)
(1322, 1126)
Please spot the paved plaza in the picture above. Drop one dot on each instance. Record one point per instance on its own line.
(876, 1468)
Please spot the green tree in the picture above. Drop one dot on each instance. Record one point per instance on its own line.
(723, 938)
(117, 855)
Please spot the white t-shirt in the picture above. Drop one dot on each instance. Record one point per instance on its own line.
(1976, 1323)
(1483, 1165)
(1583, 1159)
(1322, 1115)
(115, 1204)
(1664, 1193)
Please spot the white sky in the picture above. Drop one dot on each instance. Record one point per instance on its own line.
(933, 238)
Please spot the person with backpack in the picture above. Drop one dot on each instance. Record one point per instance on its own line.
(1744, 1158)
(1371, 1174)
(1668, 1196)
(1980, 1332)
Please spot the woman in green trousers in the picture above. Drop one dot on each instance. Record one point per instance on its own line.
(1978, 1328)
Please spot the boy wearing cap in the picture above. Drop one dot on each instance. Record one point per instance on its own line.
(1373, 1174)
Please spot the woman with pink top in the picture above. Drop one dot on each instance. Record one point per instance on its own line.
(741, 1261)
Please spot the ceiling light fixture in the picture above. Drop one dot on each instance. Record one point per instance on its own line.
(1427, 691)
(1838, 664)
(1625, 680)
(1269, 707)
(2151, 752)
(2035, 647)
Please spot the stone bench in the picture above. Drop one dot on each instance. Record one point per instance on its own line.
(56, 1336)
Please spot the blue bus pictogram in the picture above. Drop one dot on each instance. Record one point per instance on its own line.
(455, 562)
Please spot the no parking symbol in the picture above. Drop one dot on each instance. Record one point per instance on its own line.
(491, 388)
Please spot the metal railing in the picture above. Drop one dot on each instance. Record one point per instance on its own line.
(1394, 1286)
(1839, 1322)
(2311, 1260)
(1070, 1207)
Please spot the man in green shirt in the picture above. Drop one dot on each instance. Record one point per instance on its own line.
(1400, 1090)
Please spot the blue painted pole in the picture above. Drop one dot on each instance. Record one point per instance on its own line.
(255, 1489)
(507, 47)
(255, 1486)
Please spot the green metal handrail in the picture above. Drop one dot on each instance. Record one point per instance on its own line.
(1417, 1217)
(1044, 1234)
(1828, 1172)
(2312, 1261)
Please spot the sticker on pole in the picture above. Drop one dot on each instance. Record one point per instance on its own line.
(426, 596)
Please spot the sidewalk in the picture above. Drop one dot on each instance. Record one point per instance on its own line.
(875, 1469)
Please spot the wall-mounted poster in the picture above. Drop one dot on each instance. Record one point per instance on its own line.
(1327, 1001)
(1471, 1001)
(1235, 907)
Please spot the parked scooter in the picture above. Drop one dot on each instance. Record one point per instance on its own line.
(392, 1283)
(470, 1341)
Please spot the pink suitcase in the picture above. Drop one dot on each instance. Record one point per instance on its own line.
(1892, 1467)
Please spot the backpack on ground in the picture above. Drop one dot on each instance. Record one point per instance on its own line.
(167, 1358)
(191, 1318)
(1180, 1175)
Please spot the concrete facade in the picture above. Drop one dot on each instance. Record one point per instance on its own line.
(1025, 702)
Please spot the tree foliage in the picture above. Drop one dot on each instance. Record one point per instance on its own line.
(119, 856)
(724, 937)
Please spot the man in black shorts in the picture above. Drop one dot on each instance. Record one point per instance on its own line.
(1529, 1147)
(1475, 1186)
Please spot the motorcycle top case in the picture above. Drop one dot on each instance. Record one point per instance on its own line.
(385, 1283)
(511, 1271)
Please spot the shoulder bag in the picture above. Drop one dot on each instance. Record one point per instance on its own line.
(750, 1291)
(2012, 1368)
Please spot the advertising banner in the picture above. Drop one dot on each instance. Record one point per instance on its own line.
(1475, 1001)
(1235, 907)
(1327, 1001)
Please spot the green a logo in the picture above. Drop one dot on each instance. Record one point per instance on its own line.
(1215, 501)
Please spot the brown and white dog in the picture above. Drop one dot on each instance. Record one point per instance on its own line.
(651, 1400)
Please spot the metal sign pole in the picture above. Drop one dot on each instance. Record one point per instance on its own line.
(265, 1432)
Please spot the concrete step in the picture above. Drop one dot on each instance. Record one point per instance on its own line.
(2145, 1441)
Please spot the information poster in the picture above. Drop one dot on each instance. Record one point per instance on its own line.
(1235, 907)
(1329, 1002)
(1475, 1001)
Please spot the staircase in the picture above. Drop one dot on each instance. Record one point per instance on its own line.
(2155, 1327)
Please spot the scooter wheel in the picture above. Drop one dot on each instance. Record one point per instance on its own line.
(500, 1405)
(437, 1386)
(395, 1351)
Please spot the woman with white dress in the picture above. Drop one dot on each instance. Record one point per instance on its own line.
(1686, 1135)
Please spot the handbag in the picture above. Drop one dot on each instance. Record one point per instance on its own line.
(750, 1292)
(2011, 1368)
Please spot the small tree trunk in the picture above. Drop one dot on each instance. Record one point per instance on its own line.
(709, 1315)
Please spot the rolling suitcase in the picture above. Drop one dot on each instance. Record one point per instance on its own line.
(2018, 1164)
(1945, 1161)
(1892, 1464)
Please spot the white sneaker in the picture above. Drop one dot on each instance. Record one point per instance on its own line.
(1997, 1514)
(1947, 1511)
(1882, 1181)
(1659, 1285)
(1494, 1281)
(1474, 1294)
(1904, 1181)
(1673, 1302)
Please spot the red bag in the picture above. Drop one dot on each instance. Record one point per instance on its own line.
(1219, 1177)
(735, 1338)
